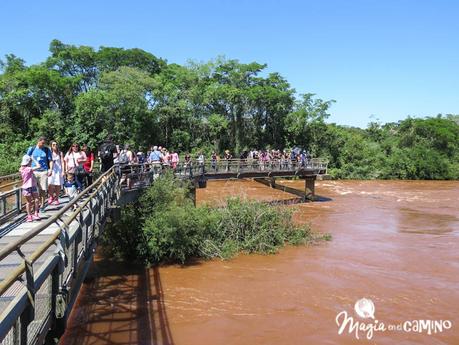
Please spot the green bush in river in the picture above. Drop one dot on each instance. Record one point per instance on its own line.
(167, 227)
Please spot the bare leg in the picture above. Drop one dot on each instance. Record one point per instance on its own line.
(37, 204)
(51, 191)
(42, 199)
(29, 205)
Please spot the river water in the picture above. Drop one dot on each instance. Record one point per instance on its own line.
(394, 242)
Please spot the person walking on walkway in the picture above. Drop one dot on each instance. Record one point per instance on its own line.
(227, 157)
(107, 154)
(88, 165)
(42, 164)
(188, 164)
(174, 159)
(56, 179)
(155, 159)
(29, 188)
(201, 163)
(74, 160)
(213, 161)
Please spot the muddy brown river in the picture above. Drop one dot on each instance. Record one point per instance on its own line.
(394, 242)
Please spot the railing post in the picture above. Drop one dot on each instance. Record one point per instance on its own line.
(18, 200)
(24, 321)
(2, 205)
(309, 187)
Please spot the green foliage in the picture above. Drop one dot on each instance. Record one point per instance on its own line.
(252, 227)
(166, 227)
(176, 233)
(11, 155)
(83, 94)
(124, 239)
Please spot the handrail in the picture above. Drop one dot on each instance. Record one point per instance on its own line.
(56, 285)
(13, 276)
(206, 160)
(10, 176)
(75, 237)
(42, 226)
(9, 184)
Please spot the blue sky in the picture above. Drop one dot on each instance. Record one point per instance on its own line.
(386, 59)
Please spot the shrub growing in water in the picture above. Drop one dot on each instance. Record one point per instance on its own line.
(169, 228)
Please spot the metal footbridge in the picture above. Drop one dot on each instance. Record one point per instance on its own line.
(43, 264)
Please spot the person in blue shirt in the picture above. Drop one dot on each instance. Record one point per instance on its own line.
(155, 159)
(155, 155)
(43, 160)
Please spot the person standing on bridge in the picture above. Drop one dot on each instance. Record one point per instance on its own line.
(227, 157)
(74, 160)
(174, 159)
(201, 163)
(43, 162)
(88, 165)
(155, 159)
(107, 153)
(188, 164)
(29, 187)
(213, 161)
(56, 180)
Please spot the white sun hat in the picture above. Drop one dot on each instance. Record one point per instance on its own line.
(26, 160)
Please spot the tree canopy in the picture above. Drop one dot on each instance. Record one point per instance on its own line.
(83, 94)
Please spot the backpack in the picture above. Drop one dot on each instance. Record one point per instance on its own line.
(124, 159)
(106, 151)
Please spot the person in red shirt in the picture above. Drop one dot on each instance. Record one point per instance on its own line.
(89, 164)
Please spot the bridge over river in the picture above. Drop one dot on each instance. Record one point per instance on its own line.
(43, 264)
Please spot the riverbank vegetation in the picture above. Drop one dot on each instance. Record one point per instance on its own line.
(81, 94)
(165, 226)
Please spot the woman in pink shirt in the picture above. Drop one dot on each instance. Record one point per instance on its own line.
(174, 159)
(29, 188)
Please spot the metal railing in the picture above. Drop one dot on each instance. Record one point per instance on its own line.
(12, 203)
(237, 166)
(10, 177)
(36, 301)
(215, 167)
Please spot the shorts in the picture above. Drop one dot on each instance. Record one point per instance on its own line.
(42, 181)
(31, 191)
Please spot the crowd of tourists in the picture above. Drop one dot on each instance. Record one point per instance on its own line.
(46, 171)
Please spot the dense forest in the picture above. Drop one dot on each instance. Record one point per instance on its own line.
(82, 94)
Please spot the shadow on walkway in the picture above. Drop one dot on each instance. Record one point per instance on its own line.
(119, 304)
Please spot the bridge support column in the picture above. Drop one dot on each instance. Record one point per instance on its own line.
(193, 192)
(309, 187)
(272, 182)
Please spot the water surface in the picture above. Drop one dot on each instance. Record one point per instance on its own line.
(396, 242)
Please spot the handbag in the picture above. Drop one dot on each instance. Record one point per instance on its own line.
(78, 170)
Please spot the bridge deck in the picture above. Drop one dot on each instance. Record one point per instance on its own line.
(15, 229)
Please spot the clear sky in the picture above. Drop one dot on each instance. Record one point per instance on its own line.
(389, 59)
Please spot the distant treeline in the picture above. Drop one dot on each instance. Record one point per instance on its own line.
(82, 94)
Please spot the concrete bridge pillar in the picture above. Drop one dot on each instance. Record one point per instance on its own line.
(309, 186)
